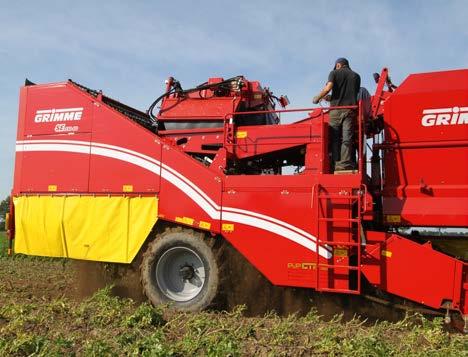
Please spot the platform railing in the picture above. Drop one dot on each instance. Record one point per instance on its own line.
(229, 129)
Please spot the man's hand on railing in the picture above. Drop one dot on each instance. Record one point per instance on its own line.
(328, 87)
(317, 98)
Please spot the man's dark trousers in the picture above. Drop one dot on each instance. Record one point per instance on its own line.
(342, 138)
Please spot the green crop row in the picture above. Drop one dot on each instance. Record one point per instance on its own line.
(40, 315)
(104, 325)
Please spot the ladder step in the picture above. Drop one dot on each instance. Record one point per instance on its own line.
(345, 172)
(356, 220)
(333, 266)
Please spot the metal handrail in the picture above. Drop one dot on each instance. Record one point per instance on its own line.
(229, 116)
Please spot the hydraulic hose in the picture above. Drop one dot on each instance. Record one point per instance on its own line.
(178, 89)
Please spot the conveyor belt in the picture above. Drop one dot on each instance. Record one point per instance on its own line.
(137, 116)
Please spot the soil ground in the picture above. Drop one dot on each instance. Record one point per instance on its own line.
(56, 307)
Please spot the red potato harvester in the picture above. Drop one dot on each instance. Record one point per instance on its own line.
(98, 180)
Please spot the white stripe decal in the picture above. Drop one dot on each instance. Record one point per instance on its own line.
(232, 214)
(271, 219)
(277, 229)
(171, 179)
(194, 195)
(156, 169)
(439, 110)
(53, 147)
(121, 149)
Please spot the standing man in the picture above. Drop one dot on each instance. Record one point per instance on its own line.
(344, 84)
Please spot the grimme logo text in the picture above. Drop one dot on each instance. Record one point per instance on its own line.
(445, 116)
(54, 115)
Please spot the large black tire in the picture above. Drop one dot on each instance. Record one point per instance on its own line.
(180, 268)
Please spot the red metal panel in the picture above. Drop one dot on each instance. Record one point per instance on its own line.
(123, 154)
(280, 259)
(190, 192)
(57, 109)
(423, 194)
(47, 165)
(214, 108)
(426, 152)
(425, 91)
(414, 271)
(118, 156)
(53, 138)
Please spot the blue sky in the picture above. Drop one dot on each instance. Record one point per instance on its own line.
(128, 48)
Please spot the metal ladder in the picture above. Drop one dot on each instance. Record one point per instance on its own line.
(355, 236)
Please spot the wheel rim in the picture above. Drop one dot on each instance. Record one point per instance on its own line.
(180, 274)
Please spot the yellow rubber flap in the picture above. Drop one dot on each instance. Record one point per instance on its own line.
(107, 229)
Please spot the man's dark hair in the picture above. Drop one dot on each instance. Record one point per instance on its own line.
(343, 61)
